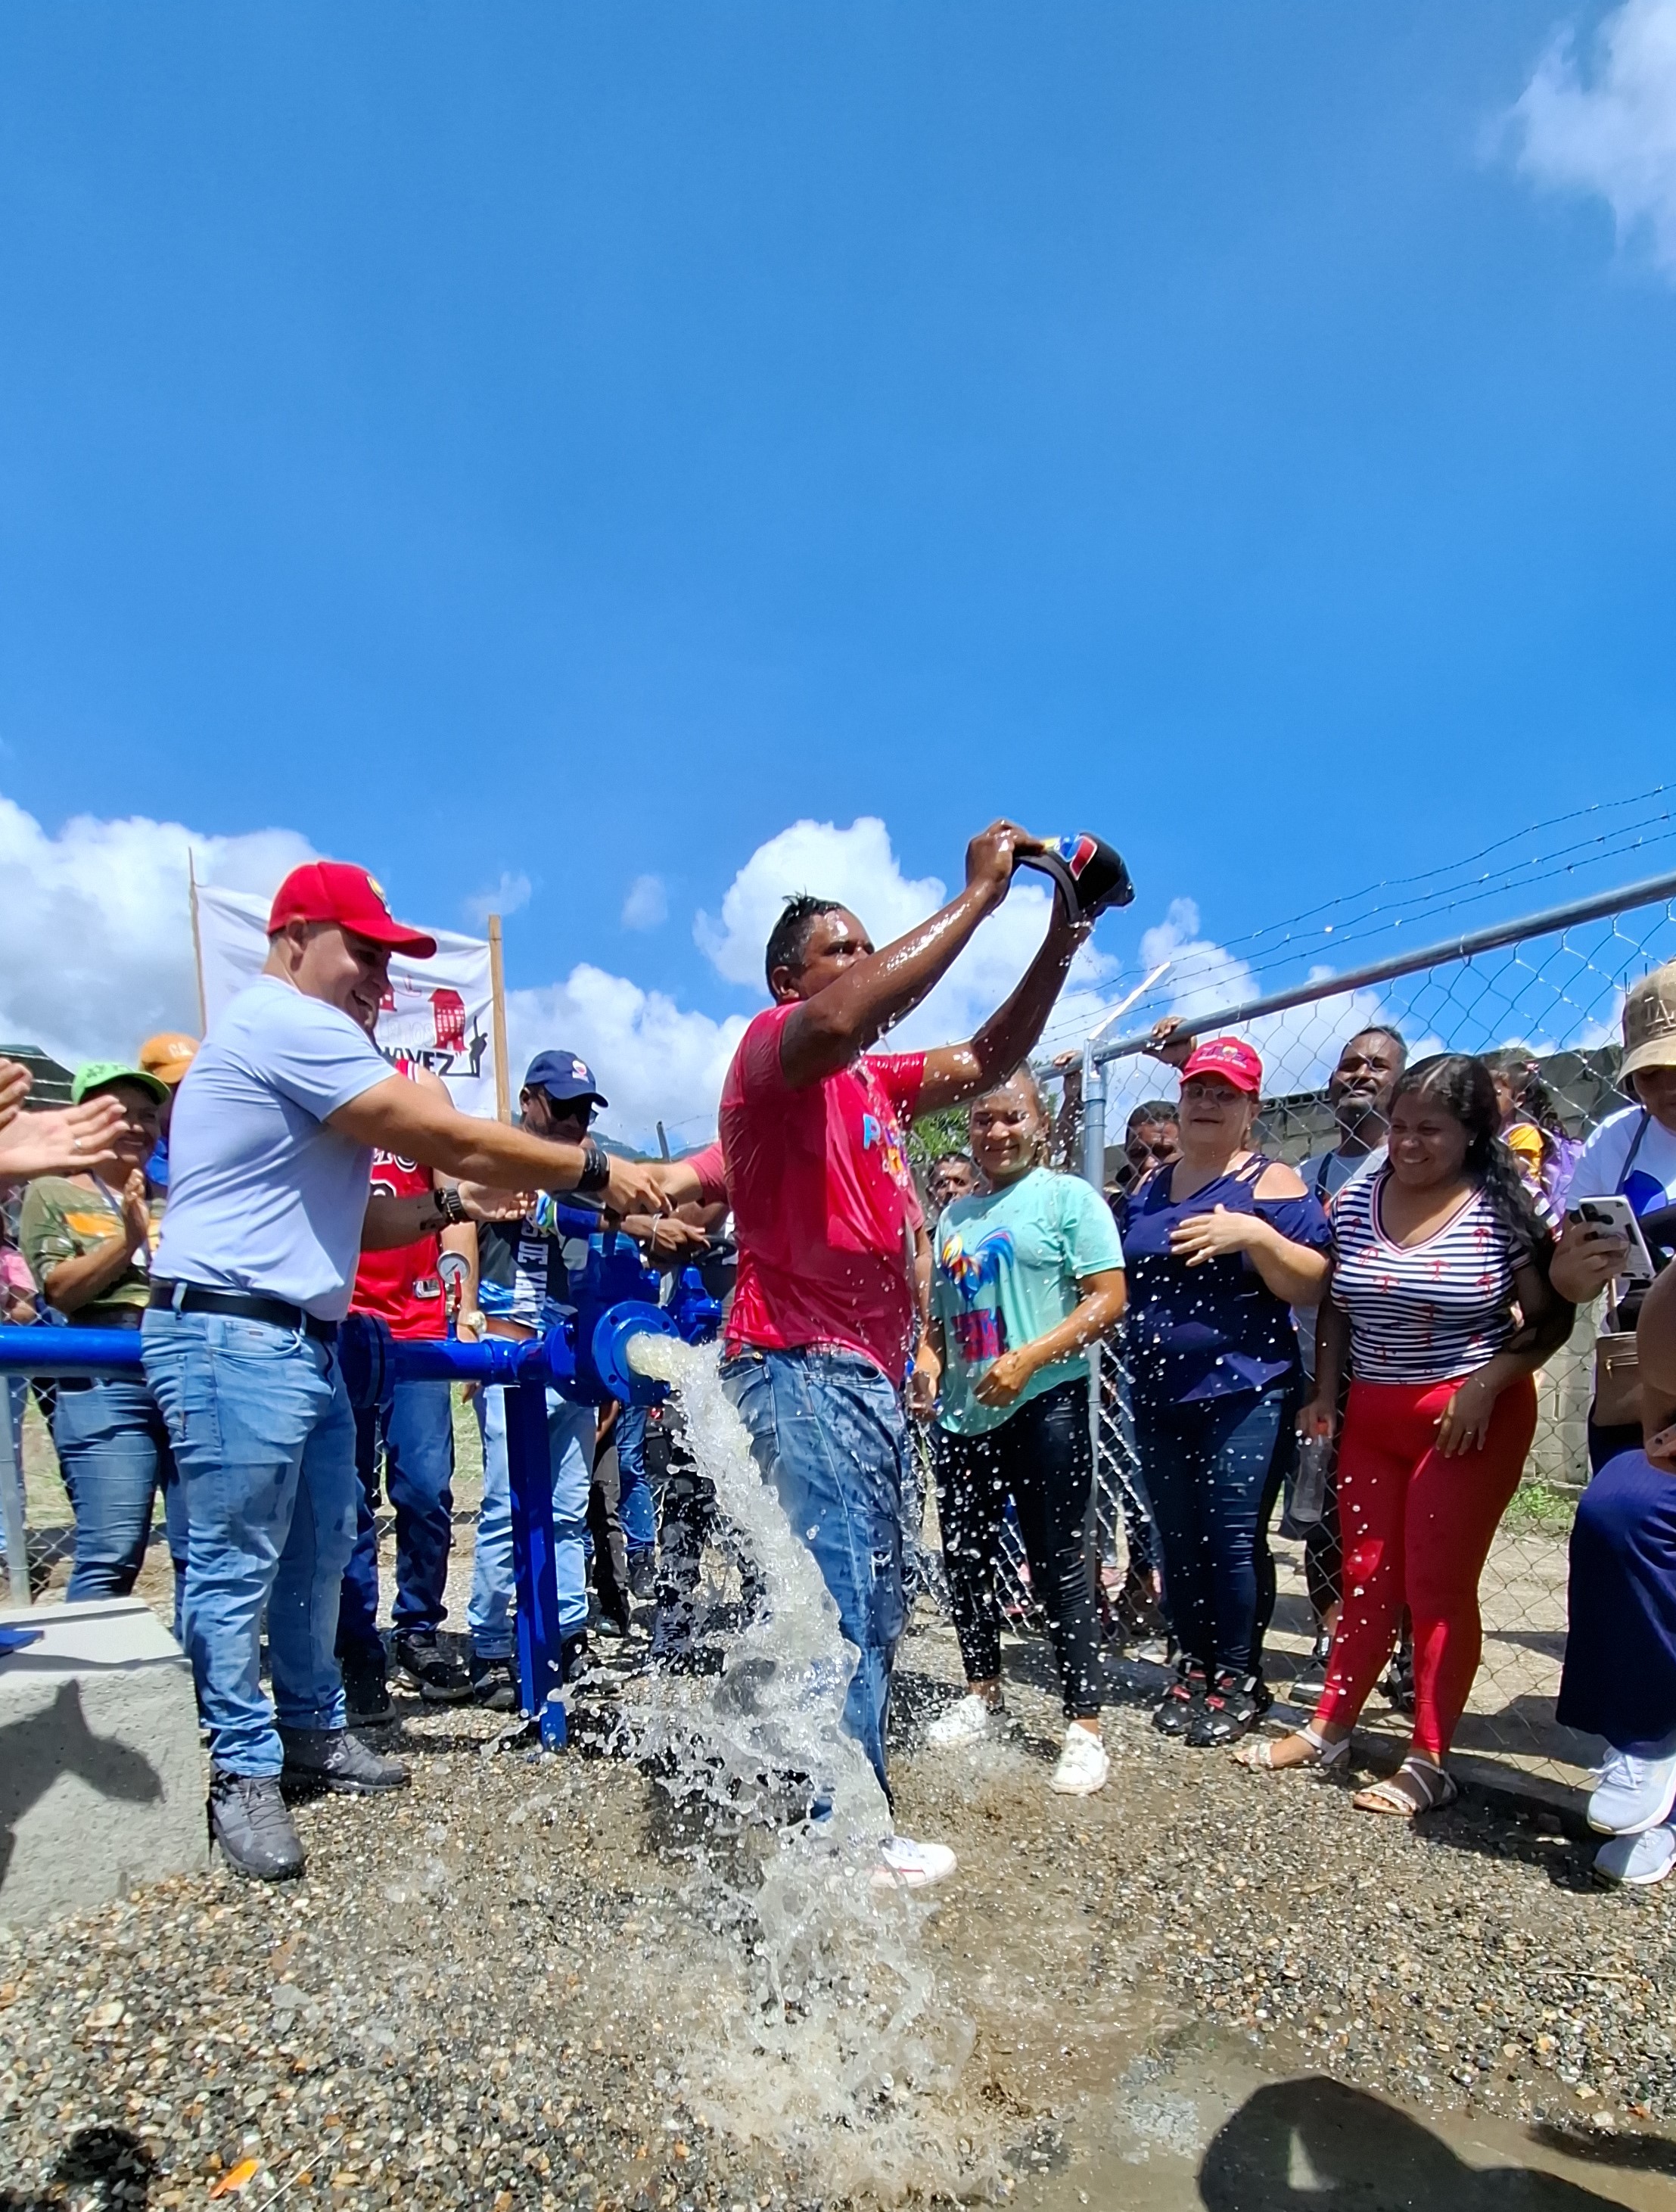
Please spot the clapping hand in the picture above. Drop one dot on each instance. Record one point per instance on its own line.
(15, 1084)
(136, 1210)
(70, 1140)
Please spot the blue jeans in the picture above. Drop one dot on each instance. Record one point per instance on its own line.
(113, 1452)
(415, 1426)
(570, 1434)
(827, 1430)
(264, 1440)
(634, 1505)
(1212, 1469)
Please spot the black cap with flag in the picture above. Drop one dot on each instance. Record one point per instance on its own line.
(1090, 874)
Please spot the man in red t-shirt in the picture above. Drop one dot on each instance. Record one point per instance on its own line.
(825, 1215)
(412, 1432)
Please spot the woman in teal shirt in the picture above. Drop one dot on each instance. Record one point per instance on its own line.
(1024, 1278)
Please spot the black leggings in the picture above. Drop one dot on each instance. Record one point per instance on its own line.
(1044, 1454)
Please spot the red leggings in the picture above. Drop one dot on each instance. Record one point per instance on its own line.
(1417, 1531)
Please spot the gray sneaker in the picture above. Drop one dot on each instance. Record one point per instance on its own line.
(252, 1823)
(332, 1758)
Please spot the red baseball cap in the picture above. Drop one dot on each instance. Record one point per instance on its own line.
(1234, 1062)
(336, 890)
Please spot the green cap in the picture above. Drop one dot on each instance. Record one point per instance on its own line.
(100, 1074)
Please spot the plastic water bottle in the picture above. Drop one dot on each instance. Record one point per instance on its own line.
(1315, 1461)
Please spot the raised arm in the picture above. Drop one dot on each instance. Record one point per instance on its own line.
(956, 1072)
(832, 1029)
(399, 1117)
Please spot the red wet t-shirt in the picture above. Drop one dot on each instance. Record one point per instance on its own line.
(823, 1203)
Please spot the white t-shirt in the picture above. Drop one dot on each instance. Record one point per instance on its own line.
(1600, 1165)
(263, 1196)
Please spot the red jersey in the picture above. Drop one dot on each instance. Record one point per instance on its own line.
(403, 1287)
(823, 1204)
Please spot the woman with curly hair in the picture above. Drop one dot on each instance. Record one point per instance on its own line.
(1441, 1295)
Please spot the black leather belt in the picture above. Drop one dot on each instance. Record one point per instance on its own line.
(239, 1305)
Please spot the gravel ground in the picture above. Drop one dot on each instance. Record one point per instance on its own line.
(505, 1988)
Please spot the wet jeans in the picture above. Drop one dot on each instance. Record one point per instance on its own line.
(113, 1452)
(635, 1508)
(1042, 1457)
(1212, 1469)
(570, 1434)
(415, 1427)
(264, 1440)
(827, 1430)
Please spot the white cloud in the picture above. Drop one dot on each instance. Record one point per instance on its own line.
(95, 934)
(646, 906)
(859, 867)
(1610, 127)
(651, 1058)
(511, 892)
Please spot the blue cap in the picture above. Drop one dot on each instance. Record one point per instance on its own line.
(563, 1076)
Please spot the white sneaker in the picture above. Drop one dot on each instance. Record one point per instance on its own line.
(904, 1864)
(1082, 1766)
(970, 1721)
(1639, 1860)
(1633, 1793)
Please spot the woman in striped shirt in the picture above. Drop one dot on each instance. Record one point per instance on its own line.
(1440, 1294)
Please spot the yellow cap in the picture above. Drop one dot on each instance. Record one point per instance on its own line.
(168, 1056)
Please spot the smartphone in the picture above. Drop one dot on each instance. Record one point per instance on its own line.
(1615, 1211)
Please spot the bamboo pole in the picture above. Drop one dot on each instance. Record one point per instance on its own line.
(497, 989)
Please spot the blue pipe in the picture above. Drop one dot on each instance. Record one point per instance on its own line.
(585, 1358)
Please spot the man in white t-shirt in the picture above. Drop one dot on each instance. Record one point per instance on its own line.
(270, 1152)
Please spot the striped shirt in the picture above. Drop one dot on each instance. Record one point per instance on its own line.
(1426, 1312)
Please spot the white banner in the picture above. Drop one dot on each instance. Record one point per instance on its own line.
(438, 1012)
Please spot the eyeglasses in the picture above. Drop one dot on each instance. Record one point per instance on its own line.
(570, 1109)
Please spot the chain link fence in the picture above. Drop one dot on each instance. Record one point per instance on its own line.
(1551, 988)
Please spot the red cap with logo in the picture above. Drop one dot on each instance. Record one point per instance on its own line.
(1234, 1062)
(336, 890)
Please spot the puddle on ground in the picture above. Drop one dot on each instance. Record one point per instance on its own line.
(1198, 2123)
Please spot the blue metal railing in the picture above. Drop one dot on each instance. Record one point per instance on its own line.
(584, 1358)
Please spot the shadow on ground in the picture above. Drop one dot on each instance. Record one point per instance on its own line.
(106, 2167)
(1316, 2145)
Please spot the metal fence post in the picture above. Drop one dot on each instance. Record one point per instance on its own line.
(11, 1498)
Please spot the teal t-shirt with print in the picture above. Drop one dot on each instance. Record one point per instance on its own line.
(1004, 1270)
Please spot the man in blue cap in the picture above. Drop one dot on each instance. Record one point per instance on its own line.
(523, 1288)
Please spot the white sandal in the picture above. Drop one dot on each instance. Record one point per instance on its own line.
(1436, 1789)
(1258, 1751)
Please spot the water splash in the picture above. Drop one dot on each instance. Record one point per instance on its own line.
(834, 2043)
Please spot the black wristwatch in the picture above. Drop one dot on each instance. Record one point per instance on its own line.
(451, 1206)
(596, 1167)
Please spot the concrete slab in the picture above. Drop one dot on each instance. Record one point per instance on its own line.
(102, 1779)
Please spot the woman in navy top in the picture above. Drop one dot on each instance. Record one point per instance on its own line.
(1220, 1246)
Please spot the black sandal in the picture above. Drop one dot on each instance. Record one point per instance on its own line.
(1232, 1708)
(1183, 1701)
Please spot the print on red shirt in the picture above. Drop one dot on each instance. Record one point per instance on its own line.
(823, 1203)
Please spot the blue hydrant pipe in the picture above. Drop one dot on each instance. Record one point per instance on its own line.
(584, 1358)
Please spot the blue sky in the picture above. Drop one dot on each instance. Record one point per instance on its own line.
(573, 444)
